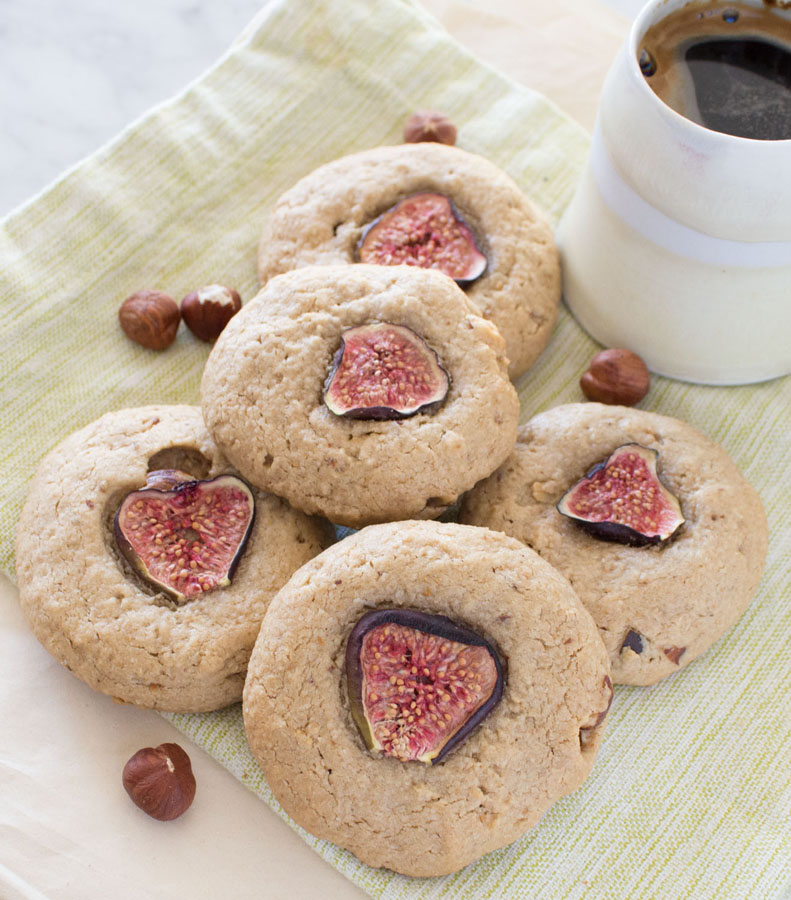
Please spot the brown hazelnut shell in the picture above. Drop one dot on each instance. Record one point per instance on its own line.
(429, 125)
(160, 781)
(150, 318)
(209, 309)
(616, 376)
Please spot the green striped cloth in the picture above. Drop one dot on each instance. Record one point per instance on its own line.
(691, 794)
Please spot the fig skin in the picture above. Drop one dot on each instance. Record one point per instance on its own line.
(371, 353)
(166, 479)
(635, 523)
(444, 630)
(424, 230)
(166, 485)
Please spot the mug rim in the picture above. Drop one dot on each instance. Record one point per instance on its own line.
(636, 33)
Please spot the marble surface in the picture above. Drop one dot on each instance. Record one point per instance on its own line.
(74, 73)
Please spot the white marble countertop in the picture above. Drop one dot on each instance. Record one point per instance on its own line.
(72, 75)
(75, 73)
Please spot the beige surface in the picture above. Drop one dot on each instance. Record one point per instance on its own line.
(562, 48)
(79, 832)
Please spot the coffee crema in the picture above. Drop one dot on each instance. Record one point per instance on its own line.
(727, 68)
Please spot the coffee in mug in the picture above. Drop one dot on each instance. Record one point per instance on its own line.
(726, 67)
(677, 242)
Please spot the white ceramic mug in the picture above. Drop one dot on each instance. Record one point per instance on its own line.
(677, 243)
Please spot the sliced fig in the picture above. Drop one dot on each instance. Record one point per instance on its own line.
(419, 683)
(384, 371)
(185, 536)
(622, 499)
(424, 230)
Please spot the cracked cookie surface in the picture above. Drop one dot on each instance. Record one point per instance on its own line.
(320, 221)
(262, 396)
(538, 743)
(98, 617)
(657, 607)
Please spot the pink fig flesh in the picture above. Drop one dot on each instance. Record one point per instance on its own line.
(384, 371)
(419, 684)
(622, 499)
(187, 540)
(424, 230)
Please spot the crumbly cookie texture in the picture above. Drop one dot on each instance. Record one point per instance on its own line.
(262, 396)
(679, 597)
(103, 622)
(538, 744)
(321, 219)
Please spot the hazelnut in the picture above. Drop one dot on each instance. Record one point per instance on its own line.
(150, 318)
(160, 781)
(616, 376)
(429, 125)
(208, 310)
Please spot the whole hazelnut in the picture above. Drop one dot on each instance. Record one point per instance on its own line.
(616, 376)
(208, 310)
(150, 318)
(160, 781)
(429, 125)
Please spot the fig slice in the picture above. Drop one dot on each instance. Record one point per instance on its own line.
(185, 536)
(384, 371)
(622, 499)
(424, 230)
(418, 683)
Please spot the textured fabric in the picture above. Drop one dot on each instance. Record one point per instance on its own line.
(691, 794)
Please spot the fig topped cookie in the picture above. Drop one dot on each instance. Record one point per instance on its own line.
(659, 533)
(145, 564)
(433, 206)
(422, 692)
(363, 393)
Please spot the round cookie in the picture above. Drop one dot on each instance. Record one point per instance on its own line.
(321, 220)
(657, 607)
(96, 616)
(262, 395)
(536, 745)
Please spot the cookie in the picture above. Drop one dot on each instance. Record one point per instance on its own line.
(537, 744)
(96, 615)
(322, 219)
(263, 387)
(659, 606)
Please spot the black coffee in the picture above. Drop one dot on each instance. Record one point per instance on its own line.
(742, 87)
(727, 68)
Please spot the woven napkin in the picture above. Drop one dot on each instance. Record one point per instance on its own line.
(691, 793)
